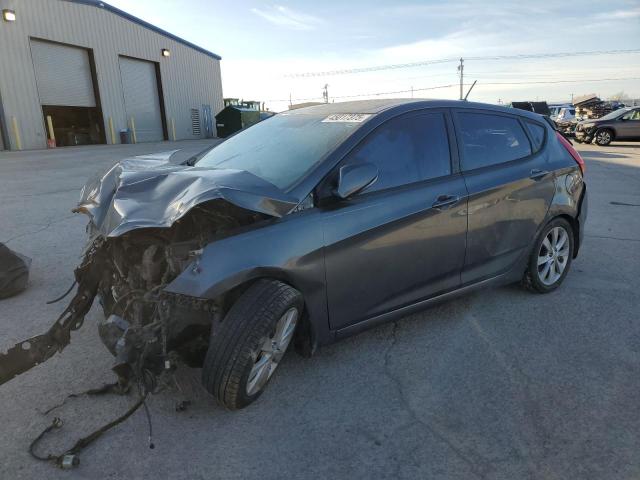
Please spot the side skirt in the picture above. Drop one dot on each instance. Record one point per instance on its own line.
(501, 279)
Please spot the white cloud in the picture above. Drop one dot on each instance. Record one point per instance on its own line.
(621, 14)
(467, 42)
(287, 18)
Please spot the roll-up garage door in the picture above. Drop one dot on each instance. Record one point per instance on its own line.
(141, 100)
(63, 74)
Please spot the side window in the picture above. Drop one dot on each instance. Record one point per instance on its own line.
(491, 139)
(407, 149)
(632, 115)
(536, 133)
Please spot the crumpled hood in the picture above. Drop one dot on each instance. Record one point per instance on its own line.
(149, 191)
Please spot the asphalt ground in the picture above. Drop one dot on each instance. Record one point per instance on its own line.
(500, 383)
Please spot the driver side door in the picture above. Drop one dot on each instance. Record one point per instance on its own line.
(402, 239)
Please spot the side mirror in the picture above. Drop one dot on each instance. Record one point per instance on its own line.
(354, 178)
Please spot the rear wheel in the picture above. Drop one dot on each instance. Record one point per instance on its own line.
(604, 137)
(246, 348)
(550, 258)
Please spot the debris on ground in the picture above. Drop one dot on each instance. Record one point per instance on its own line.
(14, 272)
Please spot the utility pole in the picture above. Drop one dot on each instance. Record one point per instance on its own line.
(290, 99)
(411, 91)
(572, 98)
(461, 70)
(325, 93)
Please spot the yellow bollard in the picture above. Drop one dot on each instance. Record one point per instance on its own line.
(133, 130)
(113, 132)
(52, 135)
(173, 129)
(16, 133)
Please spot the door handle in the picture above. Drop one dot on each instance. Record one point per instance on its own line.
(537, 174)
(445, 201)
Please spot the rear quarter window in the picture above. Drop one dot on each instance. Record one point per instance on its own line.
(536, 132)
(489, 139)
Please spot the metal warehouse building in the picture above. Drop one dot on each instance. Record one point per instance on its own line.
(77, 72)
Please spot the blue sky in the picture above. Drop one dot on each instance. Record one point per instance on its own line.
(262, 42)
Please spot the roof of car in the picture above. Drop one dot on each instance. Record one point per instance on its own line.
(379, 105)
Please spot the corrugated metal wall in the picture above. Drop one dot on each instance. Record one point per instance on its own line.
(63, 74)
(189, 78)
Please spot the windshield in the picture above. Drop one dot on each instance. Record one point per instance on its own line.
(283, 148)
(615, 114)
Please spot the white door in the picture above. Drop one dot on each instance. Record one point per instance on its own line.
(141, 99)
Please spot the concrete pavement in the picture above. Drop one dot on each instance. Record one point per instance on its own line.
(498, 384)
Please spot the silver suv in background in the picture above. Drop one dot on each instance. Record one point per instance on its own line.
(555, 108)
(566, 114)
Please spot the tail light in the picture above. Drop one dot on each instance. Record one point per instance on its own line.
(572, 151)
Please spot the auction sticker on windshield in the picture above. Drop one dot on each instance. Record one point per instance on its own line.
(347, 117)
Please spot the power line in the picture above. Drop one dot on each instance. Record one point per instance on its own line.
(370, 94)
(347, 71)
(561, 81)
(373, 94)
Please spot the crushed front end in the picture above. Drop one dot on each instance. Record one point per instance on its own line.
(144, 327)
(149, 220)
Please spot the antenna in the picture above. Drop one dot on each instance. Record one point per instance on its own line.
(470, 88)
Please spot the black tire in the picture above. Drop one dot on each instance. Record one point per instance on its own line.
(532, 276)
(236, 342)
(603, 137)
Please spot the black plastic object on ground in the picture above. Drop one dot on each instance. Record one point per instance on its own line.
(14, 272)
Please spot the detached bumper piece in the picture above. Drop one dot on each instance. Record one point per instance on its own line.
(36, 350)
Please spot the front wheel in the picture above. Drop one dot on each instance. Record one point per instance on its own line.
(550, 258)
(603, 137)
(246, 348)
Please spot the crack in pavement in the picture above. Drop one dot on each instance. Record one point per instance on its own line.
(479, 471)
(41, 229)
(31, 195)
(613, 238)
(532, 409)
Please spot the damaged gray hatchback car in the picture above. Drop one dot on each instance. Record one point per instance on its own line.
(311, 226)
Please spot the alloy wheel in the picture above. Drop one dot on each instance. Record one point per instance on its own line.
(603, 137)
(553, 255)
(272, 351)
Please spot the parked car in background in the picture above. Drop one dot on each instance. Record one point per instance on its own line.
(622, 124)
(555, 108)
(566, 114)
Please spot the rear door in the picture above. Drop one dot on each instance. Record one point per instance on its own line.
(629, 125)
(403, 238)
(510, 187)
